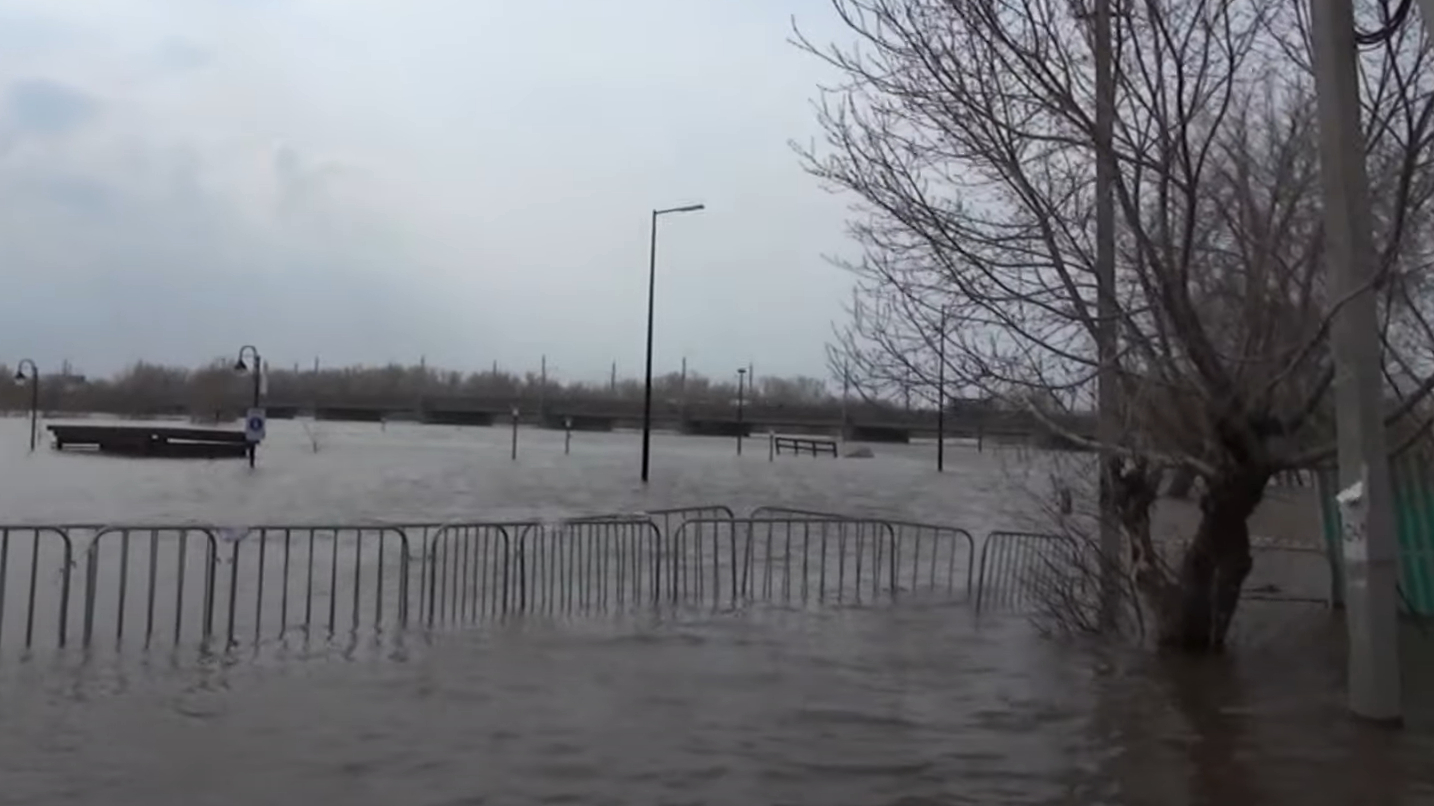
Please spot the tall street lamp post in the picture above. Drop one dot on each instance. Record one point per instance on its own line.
(647, 374)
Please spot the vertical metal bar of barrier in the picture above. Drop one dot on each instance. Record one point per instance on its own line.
(149, 599)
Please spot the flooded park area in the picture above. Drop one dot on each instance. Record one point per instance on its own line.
(789, 699)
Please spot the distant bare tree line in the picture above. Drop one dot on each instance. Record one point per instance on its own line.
(151, 389)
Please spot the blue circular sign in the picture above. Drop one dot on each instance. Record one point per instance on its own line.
(256, 423)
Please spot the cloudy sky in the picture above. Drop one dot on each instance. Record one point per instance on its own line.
(371, 180)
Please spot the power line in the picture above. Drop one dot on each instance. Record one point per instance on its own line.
(1392, 23)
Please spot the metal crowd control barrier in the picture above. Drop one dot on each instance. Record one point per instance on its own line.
(734, 562)
(586, 565)
(1019, 570)
(467, 572)
(252, 583)
(147, 578)
(35, 579)
(1015, 566)
(668, 519)
(930, 557)
(338, 579)
(133, 585)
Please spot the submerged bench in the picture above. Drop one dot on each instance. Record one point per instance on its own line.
(156, 441)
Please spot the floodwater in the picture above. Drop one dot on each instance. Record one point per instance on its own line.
(907, 704)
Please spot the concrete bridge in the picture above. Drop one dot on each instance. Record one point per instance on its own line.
(863, 422)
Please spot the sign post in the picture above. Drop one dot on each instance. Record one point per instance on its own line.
(254, 431)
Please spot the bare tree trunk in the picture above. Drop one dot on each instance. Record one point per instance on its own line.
(1181, 482)
(1207, 587)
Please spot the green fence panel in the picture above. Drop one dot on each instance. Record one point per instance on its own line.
(1413, 484)
(1327, 484)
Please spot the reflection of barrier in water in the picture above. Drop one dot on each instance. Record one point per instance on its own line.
(155, 586)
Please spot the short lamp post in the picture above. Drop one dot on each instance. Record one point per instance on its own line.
(257, 371)
(741, 378)
(34, 378)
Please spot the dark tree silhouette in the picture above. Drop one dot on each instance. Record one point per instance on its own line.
(964, 130)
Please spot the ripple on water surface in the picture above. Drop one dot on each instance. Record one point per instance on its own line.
(899, 705)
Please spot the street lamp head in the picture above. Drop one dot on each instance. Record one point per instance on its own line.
(742, 371)
(689, 208)
(240, 366)
(19, 374)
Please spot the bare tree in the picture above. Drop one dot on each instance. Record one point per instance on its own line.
(965, 129)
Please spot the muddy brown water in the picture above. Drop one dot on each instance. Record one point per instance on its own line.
(917, 703)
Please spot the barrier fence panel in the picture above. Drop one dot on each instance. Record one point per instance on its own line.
(588, 565)
(148, 584)
(321, 580)
(668, 520)
(1021, 571)
(467, 573)
(1017, 568)
(36, 573)
(420, 541)
(733, 562)
(126, 586)
(932, 559)
(795, 512)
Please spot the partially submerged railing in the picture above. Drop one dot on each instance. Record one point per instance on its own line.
(156, 586)
(465, 572)
(730, 563)
(588, 566)
(251, 584)
(35, 579)
(930, 555)
(1024, 571)
(1016, 567)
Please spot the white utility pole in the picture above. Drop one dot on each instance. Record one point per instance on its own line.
(1371, 553)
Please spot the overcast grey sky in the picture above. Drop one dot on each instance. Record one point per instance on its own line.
(373, 180)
